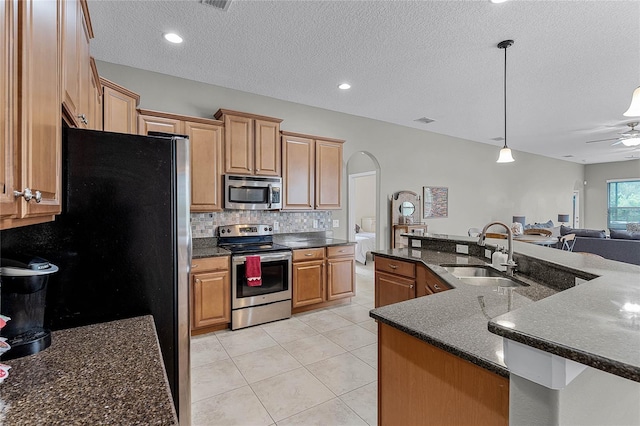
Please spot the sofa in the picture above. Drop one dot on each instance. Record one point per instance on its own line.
(623, 246)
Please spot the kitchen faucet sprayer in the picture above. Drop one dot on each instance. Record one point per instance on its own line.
(511, 265)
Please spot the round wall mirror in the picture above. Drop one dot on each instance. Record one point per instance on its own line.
(407, 208)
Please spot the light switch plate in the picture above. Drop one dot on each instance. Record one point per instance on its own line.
(276, 226)
(461, 248)
(336, 223)
(487, 253)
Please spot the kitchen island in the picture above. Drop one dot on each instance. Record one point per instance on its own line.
(108, 373)
(582, 323)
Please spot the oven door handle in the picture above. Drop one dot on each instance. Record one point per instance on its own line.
(263, 257)
(270, 194)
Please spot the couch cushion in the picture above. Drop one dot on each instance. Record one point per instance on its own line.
(548, 224)
(593, 233)
(624, 235)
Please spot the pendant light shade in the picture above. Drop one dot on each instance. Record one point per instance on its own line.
(631, 141)
(505, 153)
(634, 108)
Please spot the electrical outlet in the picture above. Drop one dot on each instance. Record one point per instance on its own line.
(276, 226)
(462, 248)
(487, 253)
(315, 223)
(336, 223)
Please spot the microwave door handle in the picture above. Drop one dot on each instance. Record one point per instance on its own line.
(270, 195)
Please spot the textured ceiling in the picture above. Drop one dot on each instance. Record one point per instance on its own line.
(571, 70)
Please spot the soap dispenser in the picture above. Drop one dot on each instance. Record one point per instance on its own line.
(498, 258)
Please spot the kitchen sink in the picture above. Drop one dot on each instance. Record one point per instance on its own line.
(464, 271)
(480, 275)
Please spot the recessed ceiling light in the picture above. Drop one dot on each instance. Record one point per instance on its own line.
(344, 86)
(173, 38)
(498, 1)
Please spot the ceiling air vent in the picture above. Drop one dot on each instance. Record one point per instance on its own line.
(498, 139)
(218, 4)
(567, 156)
(424, 120)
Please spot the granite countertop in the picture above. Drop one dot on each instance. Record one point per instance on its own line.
(109, 373)
(314, 243)
(207, 247)
(454, 320)
(596, 323)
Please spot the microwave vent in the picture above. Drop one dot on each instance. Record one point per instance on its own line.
(219, 4)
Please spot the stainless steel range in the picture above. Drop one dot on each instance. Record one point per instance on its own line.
(269, 301)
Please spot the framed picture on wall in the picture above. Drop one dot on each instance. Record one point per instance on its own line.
(435, 202)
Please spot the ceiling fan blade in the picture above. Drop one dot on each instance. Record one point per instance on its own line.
(617, 143)
(602, 140)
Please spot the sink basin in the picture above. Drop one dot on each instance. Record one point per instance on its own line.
(480, 276)
(490, 281)
(464, 271)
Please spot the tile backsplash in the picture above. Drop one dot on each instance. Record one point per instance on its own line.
(204, 225)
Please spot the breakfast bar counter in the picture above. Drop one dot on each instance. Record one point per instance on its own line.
(109, 373)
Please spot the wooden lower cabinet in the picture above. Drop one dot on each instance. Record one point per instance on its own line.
(308, 283)
(322, 277)
(420, 384)
(398, 280)
(210, 294)
(391, 289)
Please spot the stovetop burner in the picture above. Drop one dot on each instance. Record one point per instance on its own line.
(239, 239)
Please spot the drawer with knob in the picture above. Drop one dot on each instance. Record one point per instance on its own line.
(337, 251)
(308, 254)
(397, 267)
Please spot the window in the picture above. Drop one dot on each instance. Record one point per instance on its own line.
(624, 203)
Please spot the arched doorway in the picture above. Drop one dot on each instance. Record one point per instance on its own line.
(363, 194)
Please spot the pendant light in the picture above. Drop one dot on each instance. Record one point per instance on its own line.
(634, 108)
(505, 153)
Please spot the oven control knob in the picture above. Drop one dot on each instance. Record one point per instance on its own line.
(265, 228)
(228, 230)
(222, 231)
(270, 229)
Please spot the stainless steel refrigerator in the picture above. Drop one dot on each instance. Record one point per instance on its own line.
(122, 242)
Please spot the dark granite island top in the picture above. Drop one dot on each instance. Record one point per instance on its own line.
(454, 320)
(109, 373)
(596, 323)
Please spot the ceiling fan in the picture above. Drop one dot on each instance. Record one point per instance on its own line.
(628, 138)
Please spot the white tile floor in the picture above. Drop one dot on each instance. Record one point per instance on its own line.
(317, 368)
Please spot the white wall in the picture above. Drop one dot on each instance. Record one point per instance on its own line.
(595, 192)
(480, 190)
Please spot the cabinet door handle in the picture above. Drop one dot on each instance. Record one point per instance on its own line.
(393, 267)
(436, 287)
(411, 286)
(83, 118)
(198, 281)
(257, 170)
(28, 195)
(340, 251)
(308, 254)
(194, 266)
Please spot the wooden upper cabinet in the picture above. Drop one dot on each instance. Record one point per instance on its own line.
(8, 107)
(38, 144)
(205, 141)
(206, 166)
(312, 172)
(119, 108)
(76, 33)
(251, 143)
(267, 148)
(298, 172)
(328, 174)
(147, 123)
(95, 98)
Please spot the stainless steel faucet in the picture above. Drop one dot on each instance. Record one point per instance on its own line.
(511, 265)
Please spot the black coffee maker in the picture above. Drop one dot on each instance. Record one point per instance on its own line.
(23, 296)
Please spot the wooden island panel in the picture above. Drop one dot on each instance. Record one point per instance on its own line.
(420, 384)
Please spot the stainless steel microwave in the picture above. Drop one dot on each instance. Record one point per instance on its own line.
(252, 192)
